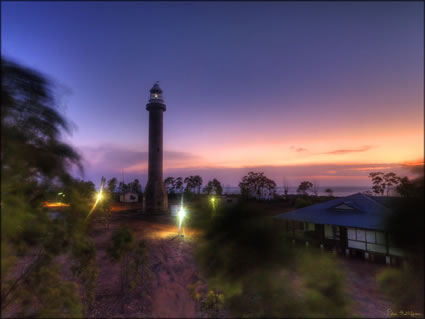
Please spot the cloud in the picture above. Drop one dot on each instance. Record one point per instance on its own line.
(118, 159)
(374, 168)
(345, 151)
(298, 149)
(415, 167)
(115, 161)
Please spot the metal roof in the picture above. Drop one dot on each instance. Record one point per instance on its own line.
(357, 210)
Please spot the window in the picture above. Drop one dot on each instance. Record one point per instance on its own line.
(351, 233)
(368, 240)
(370, 236)
(361, 236)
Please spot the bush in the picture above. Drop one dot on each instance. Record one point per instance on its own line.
(302, 202)
(245, 258)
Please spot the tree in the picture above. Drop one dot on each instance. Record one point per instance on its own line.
(285, 187)
(383, 183)
(112, 185)
(179, 184)
(304, 187)
(378, 187)
(135, 187)
(197, 182)
(329, 191)
(34, 160)
(257, 185)
(190, 184)
(391, 180)
(315, 188)
(170, 185)
(409, 188)
(405, 226)
(123, 187)
(213, 187)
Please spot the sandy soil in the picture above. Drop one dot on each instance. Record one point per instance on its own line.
(171, 262)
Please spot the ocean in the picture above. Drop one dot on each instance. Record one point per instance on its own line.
(338, 191)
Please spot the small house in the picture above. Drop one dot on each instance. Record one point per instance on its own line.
(129, 197)
(353, 225)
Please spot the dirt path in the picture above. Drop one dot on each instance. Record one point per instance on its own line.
(174, 270)
(367, 300)
(172, 265)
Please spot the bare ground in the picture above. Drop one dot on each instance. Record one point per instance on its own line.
(361, 286)
(174, 269)
(171, 263)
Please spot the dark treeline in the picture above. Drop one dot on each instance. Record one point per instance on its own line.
(192, 185)
(115, 189)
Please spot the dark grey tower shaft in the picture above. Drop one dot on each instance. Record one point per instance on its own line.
(156, 199)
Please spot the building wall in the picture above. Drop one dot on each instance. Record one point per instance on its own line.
(129, 198)
(340, 238)
(371, 241)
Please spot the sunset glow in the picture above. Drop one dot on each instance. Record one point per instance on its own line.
(270, 88)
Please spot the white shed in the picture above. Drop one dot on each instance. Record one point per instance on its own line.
(129, 197)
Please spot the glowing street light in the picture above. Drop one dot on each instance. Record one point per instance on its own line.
(181, 214)
(98, 197)
(59, 194)
(213, 205)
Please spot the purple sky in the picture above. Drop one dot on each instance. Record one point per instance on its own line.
(319, 91)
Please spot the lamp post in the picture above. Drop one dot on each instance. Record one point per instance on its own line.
(213, 205)
(180, 215)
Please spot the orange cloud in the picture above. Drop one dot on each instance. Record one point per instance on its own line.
(375, 168)
(414, 163)
(345, 151)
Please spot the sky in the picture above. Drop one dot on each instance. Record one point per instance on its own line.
(319, 91)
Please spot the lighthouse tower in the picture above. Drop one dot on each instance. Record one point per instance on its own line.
(155, 199)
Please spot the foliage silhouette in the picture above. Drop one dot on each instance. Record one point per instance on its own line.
(36, 162)
(245, 257)
(257, 185)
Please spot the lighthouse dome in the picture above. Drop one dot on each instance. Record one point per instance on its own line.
(156, 88)
(156, 100)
